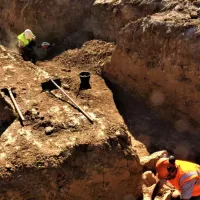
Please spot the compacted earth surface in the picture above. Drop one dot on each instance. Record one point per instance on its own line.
(143, 97)
(56, 152)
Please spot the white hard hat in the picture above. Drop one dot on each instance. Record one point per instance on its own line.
(28, 34)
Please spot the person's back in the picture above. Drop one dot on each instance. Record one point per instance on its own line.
(26, 42)
(25, 38)
(183, 175)
(187, 178)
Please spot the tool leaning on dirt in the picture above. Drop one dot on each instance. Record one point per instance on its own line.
(183, 175)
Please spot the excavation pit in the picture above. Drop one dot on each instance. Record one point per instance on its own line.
(80, 161)
(7, 115)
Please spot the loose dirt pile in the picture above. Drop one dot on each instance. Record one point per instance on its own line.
(59, 154)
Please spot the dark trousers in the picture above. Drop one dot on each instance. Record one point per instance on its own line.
(28, 52)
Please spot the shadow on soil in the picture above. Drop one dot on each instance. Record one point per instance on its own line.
(149, 128)
(7, 115)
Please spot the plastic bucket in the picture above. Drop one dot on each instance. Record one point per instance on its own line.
(85, 80)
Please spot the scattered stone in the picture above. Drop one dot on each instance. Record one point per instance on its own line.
(194, 15)
(49, 130)
(149, 183)
(65, 86)
(149, 178)
(179, 8)
(9, 166)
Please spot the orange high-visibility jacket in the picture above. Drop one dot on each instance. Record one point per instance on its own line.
(186, 171)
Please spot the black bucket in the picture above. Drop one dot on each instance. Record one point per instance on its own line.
(85, 80)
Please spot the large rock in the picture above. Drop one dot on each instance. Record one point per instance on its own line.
(149, 162)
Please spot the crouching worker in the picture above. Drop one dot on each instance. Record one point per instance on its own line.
(26, 42)
(183, 175)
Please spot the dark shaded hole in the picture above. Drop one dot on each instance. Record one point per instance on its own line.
(150, 128)
(49, 85)
(5, 91)
(7, 115)
(82, 147)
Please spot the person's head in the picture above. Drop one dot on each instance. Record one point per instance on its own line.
(28, 34)
(166, 168)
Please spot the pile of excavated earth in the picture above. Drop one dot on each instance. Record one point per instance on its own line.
(143, 99)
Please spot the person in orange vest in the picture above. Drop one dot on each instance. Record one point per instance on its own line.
(26, 42)
(183, 175)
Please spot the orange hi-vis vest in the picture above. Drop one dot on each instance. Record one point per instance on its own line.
(186, 171)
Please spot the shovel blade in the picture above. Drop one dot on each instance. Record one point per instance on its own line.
(5, 91)
(49, 85)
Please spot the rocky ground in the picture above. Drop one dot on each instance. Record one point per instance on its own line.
(58, 148)
(147, 100)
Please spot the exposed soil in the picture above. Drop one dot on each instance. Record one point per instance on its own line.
(58, 152)
(156, 59)
(147, 100)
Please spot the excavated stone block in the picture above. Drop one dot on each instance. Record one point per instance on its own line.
(149, 162)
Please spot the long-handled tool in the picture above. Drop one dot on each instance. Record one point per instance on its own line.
(9, 92)
(56, 83)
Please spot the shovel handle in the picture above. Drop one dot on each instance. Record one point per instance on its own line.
(90, 119)
(15, 104)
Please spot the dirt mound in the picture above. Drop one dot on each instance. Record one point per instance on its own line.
(59, 154)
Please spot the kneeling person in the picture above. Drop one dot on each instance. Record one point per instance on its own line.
(26, 42)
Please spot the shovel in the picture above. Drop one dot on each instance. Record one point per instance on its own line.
(51, 84)
(8, 91)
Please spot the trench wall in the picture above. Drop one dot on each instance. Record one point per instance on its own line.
(160, 55)
(103, 171)
(52, 20)
(72, 21)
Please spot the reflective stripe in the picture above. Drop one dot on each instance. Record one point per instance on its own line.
(187, 175)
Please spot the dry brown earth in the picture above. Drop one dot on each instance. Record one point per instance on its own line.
(149, 99)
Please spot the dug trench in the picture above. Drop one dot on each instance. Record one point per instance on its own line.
(59, 154)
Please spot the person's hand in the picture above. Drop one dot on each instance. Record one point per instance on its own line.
(20, 44)
(175, 194)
